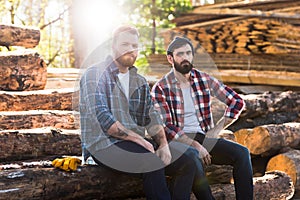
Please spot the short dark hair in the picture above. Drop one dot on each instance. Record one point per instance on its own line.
(177, 43)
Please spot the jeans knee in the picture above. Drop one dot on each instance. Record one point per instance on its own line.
(192, 153)
(243, 153)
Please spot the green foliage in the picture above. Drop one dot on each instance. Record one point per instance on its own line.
(153, 17)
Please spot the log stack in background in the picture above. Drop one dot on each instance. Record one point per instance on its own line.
(21, 69)
(256, 42)
(31, 139)
(40, 125)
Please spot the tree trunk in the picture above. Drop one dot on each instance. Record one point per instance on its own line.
(37, 143)
(91, 182)
(59, 99)
(22, 70)
(273, 185)
(38, 119)
(288, 162)
(219, 174)
(95, 182)
(269, 139)
(268, 108)
(19, 36)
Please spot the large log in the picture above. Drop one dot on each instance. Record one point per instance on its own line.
(15, 120)
(288, 162)
(37, 143)
(91, 182)
(268, 108)
(219, 174)
(95, 182)
(51, 99)
(273, 185)
(11, 35)
(269, 139)
(22, 70)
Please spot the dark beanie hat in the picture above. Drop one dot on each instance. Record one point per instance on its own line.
(177, 43)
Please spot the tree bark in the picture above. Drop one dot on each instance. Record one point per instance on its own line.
(273, 185)
(38, 119)
(288, 162)
(219, 174)
(37, 143)
(19, 36)
(59, 99)
(95, 182)
(22, 70)
(267, 140)
(268, 108)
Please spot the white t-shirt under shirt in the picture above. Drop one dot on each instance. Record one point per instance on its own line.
(191, 123)
(124, 80)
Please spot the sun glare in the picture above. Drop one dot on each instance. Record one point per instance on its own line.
(97, 17)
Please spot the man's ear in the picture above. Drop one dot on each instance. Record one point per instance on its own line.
(170, 59)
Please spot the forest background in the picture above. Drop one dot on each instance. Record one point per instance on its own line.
(72, 29)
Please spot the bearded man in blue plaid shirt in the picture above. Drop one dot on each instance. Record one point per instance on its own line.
(115, 110)
(184, 98)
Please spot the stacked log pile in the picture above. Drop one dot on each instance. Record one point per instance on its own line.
(38, 126)
(275, 147)
(21, 69)
(254, 38)
(28, 152)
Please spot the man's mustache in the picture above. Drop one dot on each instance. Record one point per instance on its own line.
(185, 62)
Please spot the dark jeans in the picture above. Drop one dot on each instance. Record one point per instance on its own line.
(182, 169)
(225, 152)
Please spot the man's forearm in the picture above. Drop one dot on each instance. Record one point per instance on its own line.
(157, 132)
(186, 140)
(117, 130)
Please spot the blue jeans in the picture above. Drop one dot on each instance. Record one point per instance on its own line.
(225, 152)
(181, 171)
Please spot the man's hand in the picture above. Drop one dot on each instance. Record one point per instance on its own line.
(164, 153)
(147, 145)
(203, 153)
(67, 164)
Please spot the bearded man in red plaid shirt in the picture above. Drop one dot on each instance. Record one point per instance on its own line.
(183, 97)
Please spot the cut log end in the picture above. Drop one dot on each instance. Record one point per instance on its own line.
(258, 136)
(288, 162)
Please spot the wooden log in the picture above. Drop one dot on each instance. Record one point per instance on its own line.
(97, 182)
(51, 99)
(91, 182)
(267, 140)
(241, 135)
(11, 35)
(268, 108)
(36, 143)
(22, 70)
(38, 119)
(288, 162)
(219, 174)
(273, 185)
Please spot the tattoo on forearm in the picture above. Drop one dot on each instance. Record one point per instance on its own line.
(121, 133)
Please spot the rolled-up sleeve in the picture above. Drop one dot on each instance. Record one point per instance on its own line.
(235, 104)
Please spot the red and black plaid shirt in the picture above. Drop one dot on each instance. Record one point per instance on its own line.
(168, 99)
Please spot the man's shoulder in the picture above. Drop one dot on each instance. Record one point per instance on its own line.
(166, 78)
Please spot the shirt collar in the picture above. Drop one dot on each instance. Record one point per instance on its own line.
(114, 69)
(174, 79)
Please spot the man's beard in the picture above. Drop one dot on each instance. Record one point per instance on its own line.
(126, 60)
(184, 67)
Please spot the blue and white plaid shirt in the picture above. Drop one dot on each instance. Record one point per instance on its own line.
(103, 102)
